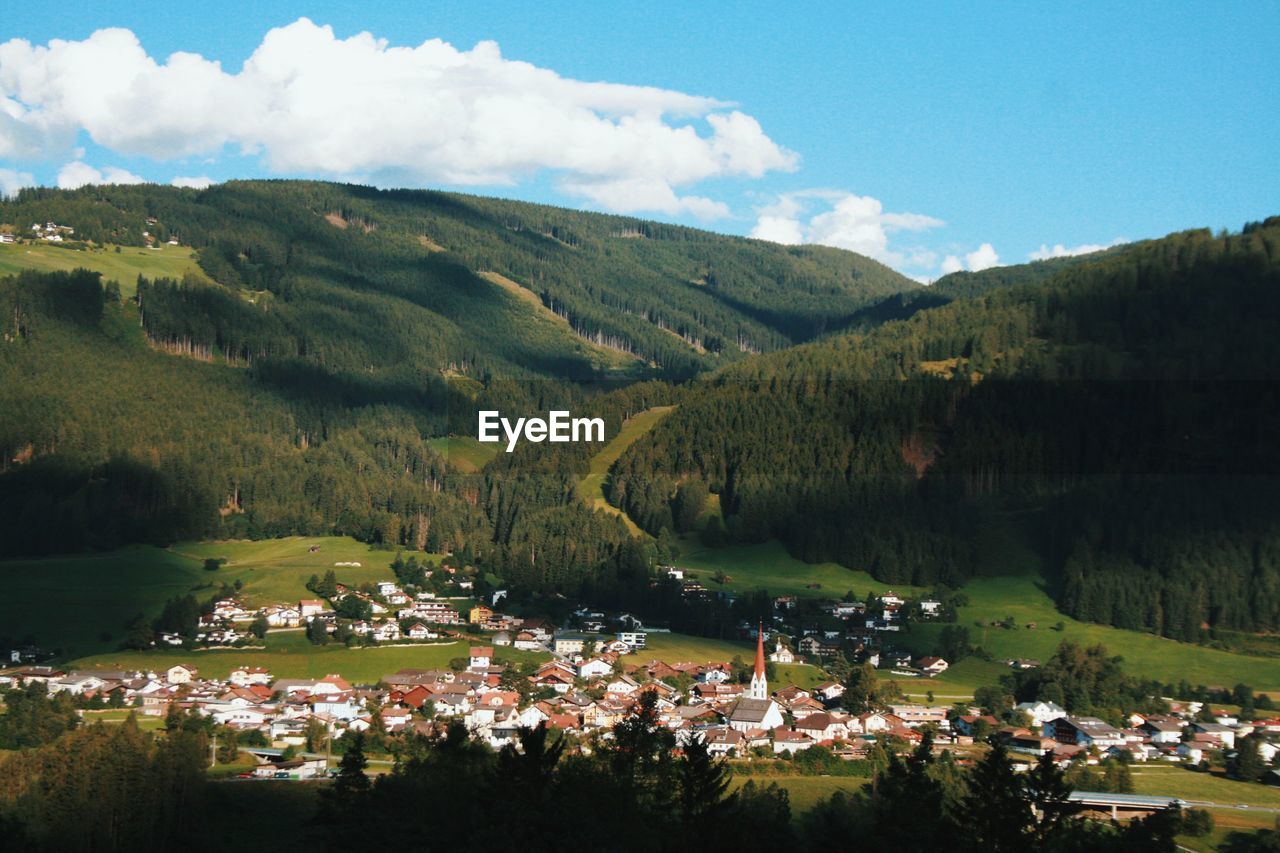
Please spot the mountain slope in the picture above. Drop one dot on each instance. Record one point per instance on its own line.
(352, 279)
(1132, 394)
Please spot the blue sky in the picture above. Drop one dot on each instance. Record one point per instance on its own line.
(934, 138)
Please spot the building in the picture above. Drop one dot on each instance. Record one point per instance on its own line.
(1084, 731)
(782, 654)
(479, 615)
(759, 688)
(480, 659)
(932, 666)
(634, 639)
(748, 714)
(1042, 712)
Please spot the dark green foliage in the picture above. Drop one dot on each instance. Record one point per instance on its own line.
(1130, 394)
(106, 788)
(32, 717)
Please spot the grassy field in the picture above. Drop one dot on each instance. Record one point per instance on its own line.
(464, 452)
(123, 267)
(1024, 598)
(1193, 785)
(1016, 588)
(683, 648)
(288, 654)
(273, 570)
(114, 716)
(956, 684)
(80, 603)
(805, 791)
(769, 566)
(591, 487)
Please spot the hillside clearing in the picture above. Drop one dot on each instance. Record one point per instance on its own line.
(464, 452)
(591, 487)
(123, 267)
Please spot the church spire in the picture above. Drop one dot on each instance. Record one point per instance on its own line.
(759, 683)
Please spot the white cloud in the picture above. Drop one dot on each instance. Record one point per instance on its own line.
(308, 102)
(853, 222)
(11, 180)
(195, 183)
(1061, 251)
(982, 258)
(78, 174)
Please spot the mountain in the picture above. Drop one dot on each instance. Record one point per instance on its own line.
(1128, 399)
(385, 286)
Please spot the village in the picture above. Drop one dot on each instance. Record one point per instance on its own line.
(597, 674)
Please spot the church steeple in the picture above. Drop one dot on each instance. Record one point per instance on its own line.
(759, 684)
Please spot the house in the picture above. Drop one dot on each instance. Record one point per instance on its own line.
(386, 588)
(1041, 712)
(282, 616)
(243, 676)
(385, 632)
(1162, 730)
(1224, 735)
(823, 726)
(526, 641)
(309, 607)
(502, 638)
(594, 668)
(829, 691)
(781, 654)
(786, 740)
(919, 715)
(725, 741)
(480, 658)
(419, 631)
(479, 615)
(6, 238)
(569, 643)
(929, 607)
(932, 665)
(180, 673)
(748, 714)
(1084, 731)
(634, 639)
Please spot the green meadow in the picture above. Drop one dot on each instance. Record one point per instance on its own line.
(288, 654)
(80, 603)
(769, 566)
(122, 267)
(464, 452)
(804, 792)
(591, 487)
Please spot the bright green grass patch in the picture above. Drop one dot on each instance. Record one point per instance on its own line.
(464, 452)
(288, 654)
(805, 791)
(80, 604)
(591, 487)
(1024, 598)
(1207, 787)
(956, 684)
(277, 570)
(769, 566)
(113, 716)
(803, 675)
(685, 648)
(123, 267)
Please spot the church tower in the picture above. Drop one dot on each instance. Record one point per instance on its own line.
(759, 684)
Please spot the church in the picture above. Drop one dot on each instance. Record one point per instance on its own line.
(755, 710)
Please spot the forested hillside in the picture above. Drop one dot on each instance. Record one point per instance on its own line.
(380, 287)
(1129, 396)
